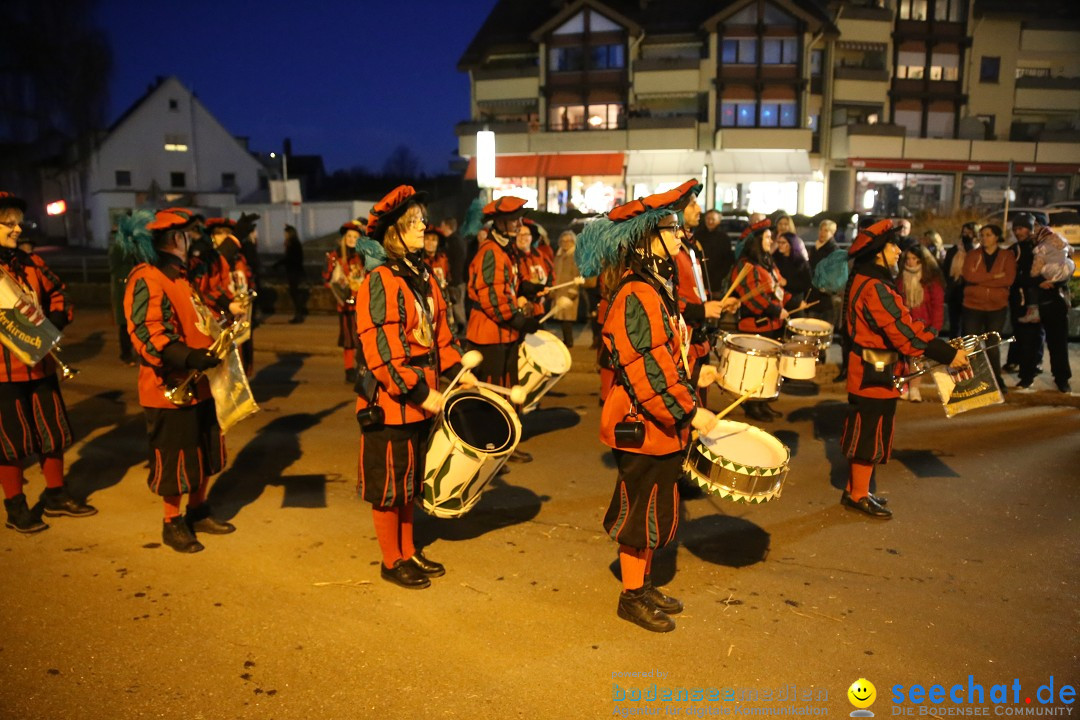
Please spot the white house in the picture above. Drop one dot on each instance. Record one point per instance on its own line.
(166, 148)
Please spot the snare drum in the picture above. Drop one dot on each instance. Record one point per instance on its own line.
(798, 361)
(809, 330)
(739, 462)
(477, 432)
(748, 362)
(542, 361)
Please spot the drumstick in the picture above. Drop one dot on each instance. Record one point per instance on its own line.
(560, 304)
(576, 281)
(468, 361)
(515, 393)
(803, 307)
(720, 415)
(738, 279)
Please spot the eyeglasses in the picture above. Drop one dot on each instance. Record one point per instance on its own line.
(418, 220)
(673, 228)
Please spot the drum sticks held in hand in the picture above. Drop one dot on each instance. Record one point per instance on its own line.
(720, 415)
(560, 304)
(802, 307)
(516, 393)
(468, 361)
(738, 279)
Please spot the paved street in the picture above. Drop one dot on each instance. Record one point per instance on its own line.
(287, 618)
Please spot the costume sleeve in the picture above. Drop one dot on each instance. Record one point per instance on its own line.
(756, 293)
(494, 288)
(381, 321)
(54, 292)
(151, 321)
(884, 312)
(448, 347)
(640, 342)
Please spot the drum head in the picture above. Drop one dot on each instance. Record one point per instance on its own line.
(479, 423)
(746, 445)
(811, 325)
(752, 344)
(547, 351)
(799, 350)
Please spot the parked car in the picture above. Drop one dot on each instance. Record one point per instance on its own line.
(995, 218)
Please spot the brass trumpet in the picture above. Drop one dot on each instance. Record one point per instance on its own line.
(183, 393)
(66, 371)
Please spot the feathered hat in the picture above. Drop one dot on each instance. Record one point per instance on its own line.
(603, 241)
(507, 206)
(134, 237)
(214, 223)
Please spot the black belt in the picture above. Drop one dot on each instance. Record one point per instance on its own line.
(428, 360)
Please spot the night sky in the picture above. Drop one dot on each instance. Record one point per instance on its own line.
(345, 79)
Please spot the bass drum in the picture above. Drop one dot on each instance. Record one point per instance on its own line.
(477, 432)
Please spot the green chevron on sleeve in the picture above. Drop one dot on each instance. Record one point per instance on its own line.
(140, 304)
(377, 307)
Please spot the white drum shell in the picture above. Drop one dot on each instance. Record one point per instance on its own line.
(455, 473)
(798, 361)
(748, 362)
(543, 359)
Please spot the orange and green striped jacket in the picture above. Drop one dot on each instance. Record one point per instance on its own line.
(494, 318)
(208, 273)
(643, 335)
(160, 308)
(762, 299)
(878, 319)
(53, 300)
(403, 343)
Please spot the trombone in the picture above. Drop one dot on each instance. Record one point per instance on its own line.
(967, 341)
(184, 392)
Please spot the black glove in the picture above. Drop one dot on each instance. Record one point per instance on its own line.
(201, 360)
(529, 289)
(58, 318)
(530, 326)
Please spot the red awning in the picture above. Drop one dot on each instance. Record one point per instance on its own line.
(553, 166)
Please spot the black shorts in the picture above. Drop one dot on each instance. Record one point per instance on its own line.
(500, 363)
(644, 509)
(33, 419)
(186, 447)
(868, 429)
(391, 472)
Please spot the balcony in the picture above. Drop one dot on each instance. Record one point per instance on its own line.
(507, 71)
(664, 64)
(860, 73)
(1056, 94)
(927, 89)
(661, 123)
(471, 127)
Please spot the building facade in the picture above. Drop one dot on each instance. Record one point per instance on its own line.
(889, 107)
(166, 149)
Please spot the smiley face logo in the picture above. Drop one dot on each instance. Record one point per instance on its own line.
(862, 693)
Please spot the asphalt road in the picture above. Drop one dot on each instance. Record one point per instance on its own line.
(287, 618)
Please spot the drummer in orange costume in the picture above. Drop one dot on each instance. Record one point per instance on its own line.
(695, 308)
(497, 322)
(763, 298)
(344, 268)
(405, 343)
(534, 270)
(649, 412)
(435, 257)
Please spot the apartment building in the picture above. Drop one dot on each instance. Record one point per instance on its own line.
(888, 106)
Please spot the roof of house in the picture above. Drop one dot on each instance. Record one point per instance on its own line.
(510, 23)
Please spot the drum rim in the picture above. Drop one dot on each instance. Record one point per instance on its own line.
(548, 338)
(765, 471)
(772, 351)
(797, 325)
(809, 350)
(509, 416)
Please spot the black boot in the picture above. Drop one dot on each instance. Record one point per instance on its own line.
(520, 456)
(405, 574)
(638, 608)
(176, 534)
(199, 519)
(427, 567)
(663, 602)
(58, 502)
(20, 518)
